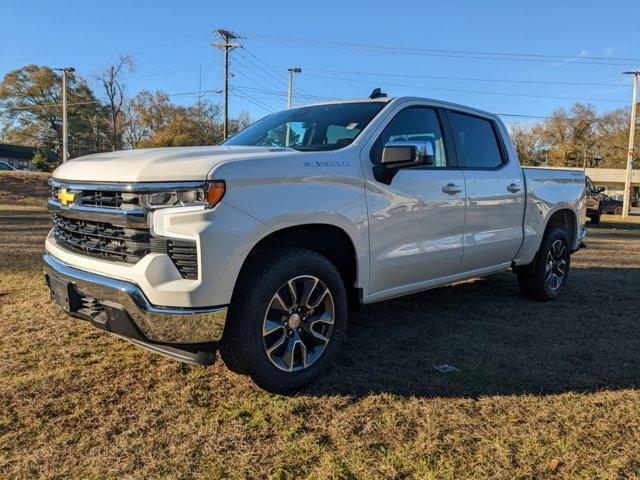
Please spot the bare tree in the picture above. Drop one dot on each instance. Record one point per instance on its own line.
(114, 83)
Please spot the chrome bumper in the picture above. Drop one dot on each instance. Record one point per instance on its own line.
(157, 324)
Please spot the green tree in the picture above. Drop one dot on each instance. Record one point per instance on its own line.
(31, 111)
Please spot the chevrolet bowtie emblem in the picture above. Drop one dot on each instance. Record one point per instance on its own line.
(66, 197)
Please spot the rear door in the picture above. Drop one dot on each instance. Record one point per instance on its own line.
(495, 192)
(416, 221)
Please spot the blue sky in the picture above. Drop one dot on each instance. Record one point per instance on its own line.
(171, 40)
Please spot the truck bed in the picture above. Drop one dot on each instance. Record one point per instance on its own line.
(549, 190)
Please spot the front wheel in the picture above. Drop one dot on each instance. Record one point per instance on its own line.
(545, 278)
(286, 320)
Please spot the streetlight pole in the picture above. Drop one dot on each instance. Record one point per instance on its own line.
(65, 125)
(290, 89)
(626, 204)
(290, 98)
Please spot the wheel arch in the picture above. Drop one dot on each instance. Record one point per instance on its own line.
(565, 218)
(563, 215)
(328, 240)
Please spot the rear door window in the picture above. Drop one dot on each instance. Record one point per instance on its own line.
(476, 141)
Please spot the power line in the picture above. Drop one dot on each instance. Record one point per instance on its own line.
(48, 105)
(276, 72)
(487, 55)
(281, 94)
(451, 77)
(255, 77)
(253, 100)
(481, 92)
(169, 72)
(258, 74)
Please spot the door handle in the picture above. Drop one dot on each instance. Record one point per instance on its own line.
(451, 188)
(514, 188)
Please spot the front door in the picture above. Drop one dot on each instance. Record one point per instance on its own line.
(416, 222)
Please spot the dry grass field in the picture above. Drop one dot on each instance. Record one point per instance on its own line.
(538, 390)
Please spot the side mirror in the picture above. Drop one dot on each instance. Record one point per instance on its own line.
(403, 154)
(600, 189)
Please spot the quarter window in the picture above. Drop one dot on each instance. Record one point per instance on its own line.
(476, 141)
(418, 124)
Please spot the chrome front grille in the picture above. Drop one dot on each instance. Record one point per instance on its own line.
(109, 222)
(98, 198)
(101, 199)
(102, 239)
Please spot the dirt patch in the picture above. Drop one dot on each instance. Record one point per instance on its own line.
(536, 390)
(24, 188)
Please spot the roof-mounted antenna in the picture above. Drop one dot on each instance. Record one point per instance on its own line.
(377, 93)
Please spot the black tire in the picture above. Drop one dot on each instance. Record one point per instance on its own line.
(617, 210)
(244, 349)
(533, 279)
(595, 219)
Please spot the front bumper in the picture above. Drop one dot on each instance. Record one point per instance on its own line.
(582, 234)
(122, 308)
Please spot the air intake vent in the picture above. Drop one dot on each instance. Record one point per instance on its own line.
(183, 254)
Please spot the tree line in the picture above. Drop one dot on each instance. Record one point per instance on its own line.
(108, 119)
(578, 137)
(101, 119)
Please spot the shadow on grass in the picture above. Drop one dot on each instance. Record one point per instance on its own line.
(497, 341)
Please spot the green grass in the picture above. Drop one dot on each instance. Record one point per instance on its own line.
(540, 390)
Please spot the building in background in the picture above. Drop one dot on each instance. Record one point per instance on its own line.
(21, 157)
(612, 179)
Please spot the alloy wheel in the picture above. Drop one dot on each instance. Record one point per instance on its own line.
(298, 323)
(556, 265)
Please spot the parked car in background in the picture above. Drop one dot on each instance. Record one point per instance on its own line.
(611, 205)
(261, 242)
(6, 166)
(594, 201)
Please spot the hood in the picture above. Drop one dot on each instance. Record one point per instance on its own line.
(158, 164)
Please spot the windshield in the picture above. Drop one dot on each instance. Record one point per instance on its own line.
(320, 127)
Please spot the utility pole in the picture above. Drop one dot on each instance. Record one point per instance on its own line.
(65, 126)
(626, 204)
(226, 36)
(290, 89)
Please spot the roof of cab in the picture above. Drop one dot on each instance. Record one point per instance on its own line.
(453, 106)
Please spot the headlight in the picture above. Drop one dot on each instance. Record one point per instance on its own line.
(208, 195)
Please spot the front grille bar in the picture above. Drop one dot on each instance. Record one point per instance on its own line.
(133, 218)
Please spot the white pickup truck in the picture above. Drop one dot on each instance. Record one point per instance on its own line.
(259, 244)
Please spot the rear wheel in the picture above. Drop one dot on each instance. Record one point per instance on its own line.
(546, 277)
(286, 320)
(617, 210)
